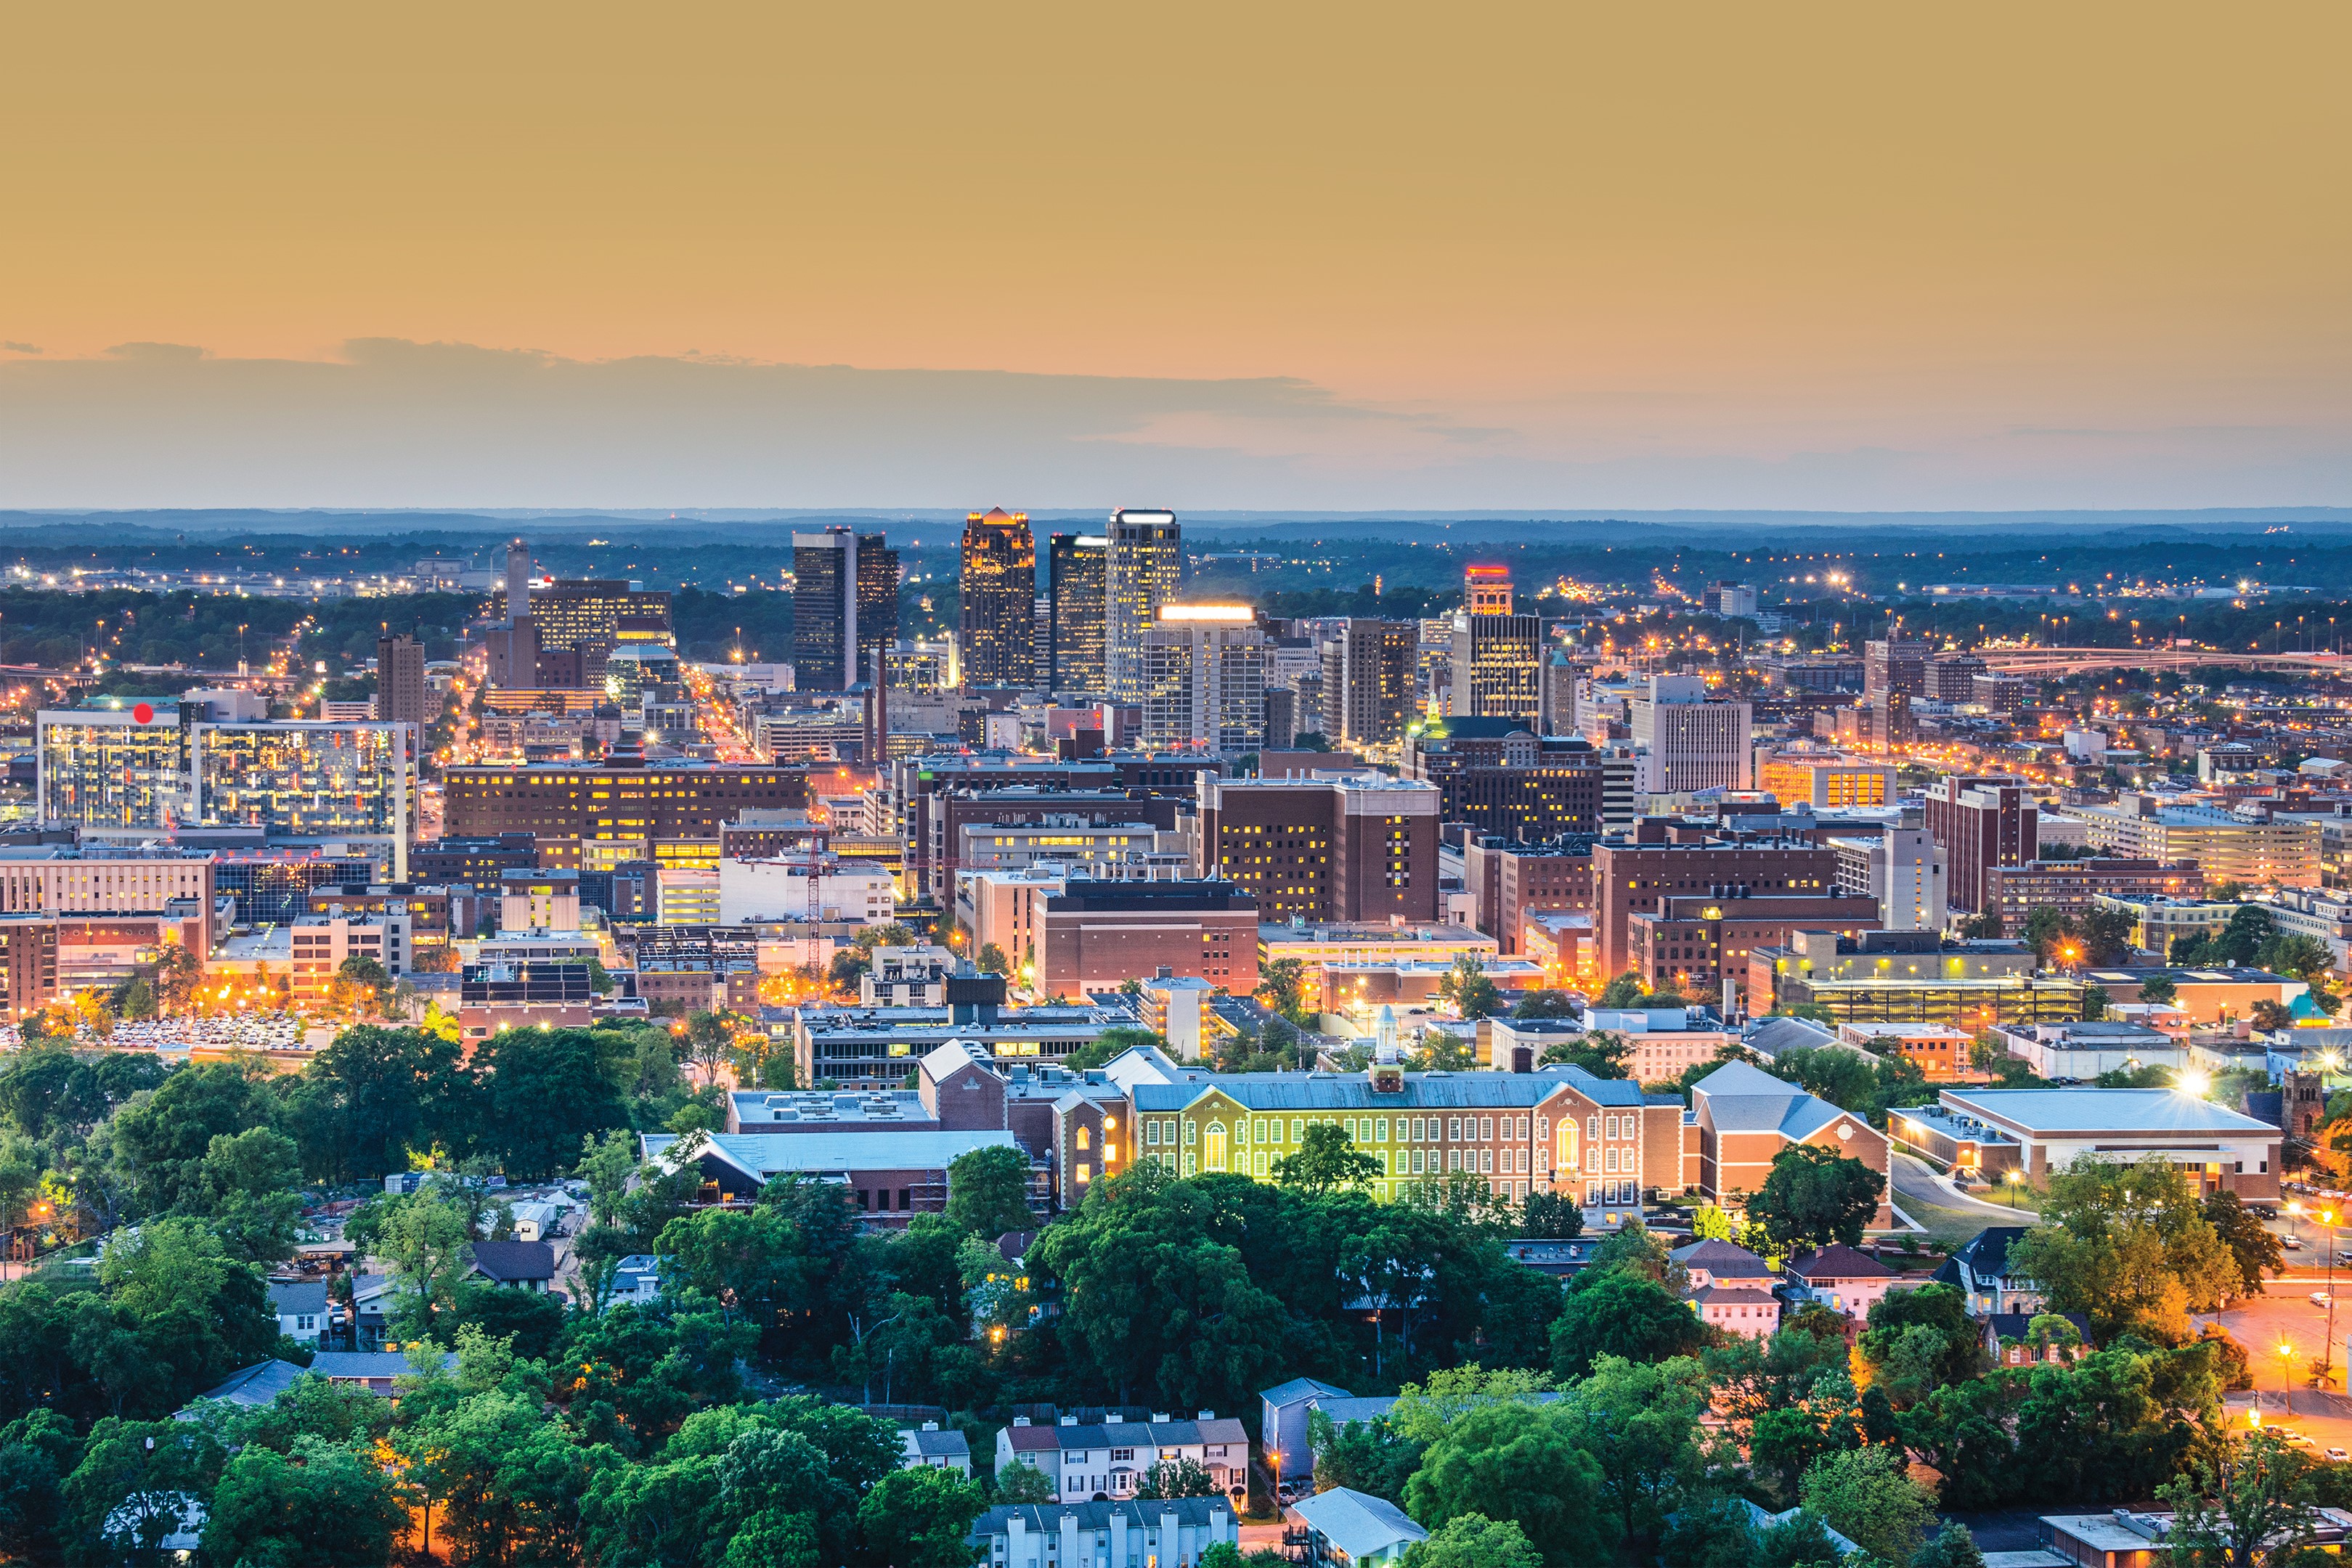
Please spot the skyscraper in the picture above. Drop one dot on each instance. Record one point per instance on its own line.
(1688, 742)
(1494, 651)
(1204, 679)
(1141, 571)
(1368, 680)
(400, 694)
(1079, 592)
(998, 615)
(845, 606)
(517, 577)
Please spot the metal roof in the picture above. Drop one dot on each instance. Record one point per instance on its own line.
(1337, 1091)
(1356, 1522)
(2089, 1110)
(909, 1149)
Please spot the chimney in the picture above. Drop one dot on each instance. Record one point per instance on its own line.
(1069, 1420)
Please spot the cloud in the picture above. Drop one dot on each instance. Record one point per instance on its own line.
(391, 422)
(9, 348)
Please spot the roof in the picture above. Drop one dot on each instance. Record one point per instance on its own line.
(759, 1155)
(1839, 1262)
(1371, 1408)
(1723, 1259)
(2088, 1110)
(1357, 1523)
(2014, 1325)
(514, 1260)
(1733, 1296)
(1770, 1036)
(367, 1364)
(932, 1445)
(1132, 1434)
(1045, 1519)
(255, 1385)
(1746, 1099)
(288, 1297)
(1987, 1253)
(1299, 1388)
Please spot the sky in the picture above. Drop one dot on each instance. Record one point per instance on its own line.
(1367, 255)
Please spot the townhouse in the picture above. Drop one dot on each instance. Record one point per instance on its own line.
(1105, 1461)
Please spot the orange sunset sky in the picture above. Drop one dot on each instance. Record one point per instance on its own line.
(1211, 256)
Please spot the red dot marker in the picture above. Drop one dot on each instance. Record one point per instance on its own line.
(144, 712)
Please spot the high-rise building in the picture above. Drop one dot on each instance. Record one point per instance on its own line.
(309, 782)
(112, 773)
(586, 618)
(999, 601)
(1660, 860)
(1894, 663)
(845, 606)
(517, 577)
(1078, 591)
(1495, 652)
(1981, 822)
(1903, 869)
(401, 696)
(1689, 742)
(1732, 600)
(1368, 680)
(1331, 847)
(1204, 680)
(1141, 568)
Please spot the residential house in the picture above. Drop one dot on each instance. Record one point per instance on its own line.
(1841, 1279)
(1980, 1271)
(1348, 1529)
(636, 1280)
(2007, 1340)
(1105, 1461)
(1730, 1288)
(1284, 1416)
(301, 1308)
(1176, 1533)
(941, 1451)
(519, 1265)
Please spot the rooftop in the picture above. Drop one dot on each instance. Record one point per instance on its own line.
(907, 1149)
(2089, 1110)
(1356, 1522)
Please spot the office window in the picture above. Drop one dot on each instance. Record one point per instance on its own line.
(1380, 1132)
(1485, 1126)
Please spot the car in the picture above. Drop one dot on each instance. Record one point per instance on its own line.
(2320, 1299)
(2294, 1439)
(2345, 1257)
(2291, 1243)
(2338, 1455)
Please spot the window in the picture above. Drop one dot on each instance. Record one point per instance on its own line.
(1298, 1130)
(1485, 1126)
(1454, 1129)
(1084, 1138)
(1381, 1134)
(1152, 1132)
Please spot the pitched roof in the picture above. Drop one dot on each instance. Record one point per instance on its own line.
(950, 1445)
(1770, 1037)
(1299, 1388)
(504, 1260)
(1733, 1296)
(1353, 1092)
(1724, 1259)
(1356, 1522)
(1744, 1099)
(255, 1385)
(1839, 1262)
(1045, 1518)
(1987, 1253)
(905, 1148)
(288, 1297)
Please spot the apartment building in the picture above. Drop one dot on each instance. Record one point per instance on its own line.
(1326, 846)
(2076, 888)
(1105, 1460)
(1640, 873)
(1981, 822)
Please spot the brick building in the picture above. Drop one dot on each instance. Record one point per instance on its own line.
(1981, 822)
(1640, 873)
(1093, 934)
(1692, 942)
(1511, 881)
(616, 802)
(2074, 887)
(1328, 846)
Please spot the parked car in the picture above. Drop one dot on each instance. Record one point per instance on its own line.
(2338, 1455)
(2319, 1298)
(2290, 1244)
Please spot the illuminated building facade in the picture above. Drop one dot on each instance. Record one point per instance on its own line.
(1496, 668)
(845, 606)
(112, 774)
(1203, 674)
(309, 782)
(998, 614)
(1141, 568)
(1078, 594)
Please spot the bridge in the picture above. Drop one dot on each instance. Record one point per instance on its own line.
(2083, 661)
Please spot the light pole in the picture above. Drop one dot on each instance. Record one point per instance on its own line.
(2327, 1349)
(2294, 1214)
(2016, 1180)
(2287, 1383)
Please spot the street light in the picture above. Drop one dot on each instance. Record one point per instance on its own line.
(2286, 1383)
(2016, 1180)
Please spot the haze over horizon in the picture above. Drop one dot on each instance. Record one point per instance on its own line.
(1531, 258)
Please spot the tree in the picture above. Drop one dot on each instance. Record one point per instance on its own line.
(1327, 1159)
(1466, 985)
(2301, 958)
(160, 1142)
(921, 1518)
(2094, 1003)
(1551, 1216)
(1175, 1478)
(708, 1038)
(2105, 936)
(992, 960)
(392, 1093)
(1619, 1311)
(2252, 1506)
(546, 1090)
(323, 1504)
(363, 982)
(1866, 1496)
(1920, 1340)
(1596, 1051)
(1474, 1541)
(1950, 1547)
(243, 1190)
(2158, 989)
(988, 1192)
(1981, 927)
(135, 1485)
(177, 974)
(1625, 991)
(1020, 1482)
(428, 1239)
(1507, 1461)
(1282, 986)
(1637, 1422)
(1813, 1196)
(2254, 1244)
(1544, 1004)
(2128, 1246)
(1367, 1457)
(2050, 934)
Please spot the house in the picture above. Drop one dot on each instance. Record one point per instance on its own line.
(1172, 1535)
(1105, 1461)
(373, 1297)
(264, 1381)
(1561, 1258)
(520, 1265)
(1744, 1117)
(301, 1308)
(1980, 1271)
(538, 1222)
(372, 1370)
(1841, 1279)
(1348, 1529)
(941, 1451)
(1764, 1520)
(2131, 1538)
(1283, 1423)
(1730, 1288)
(2006, 1336)
(248, 1387)
(636, 1280)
